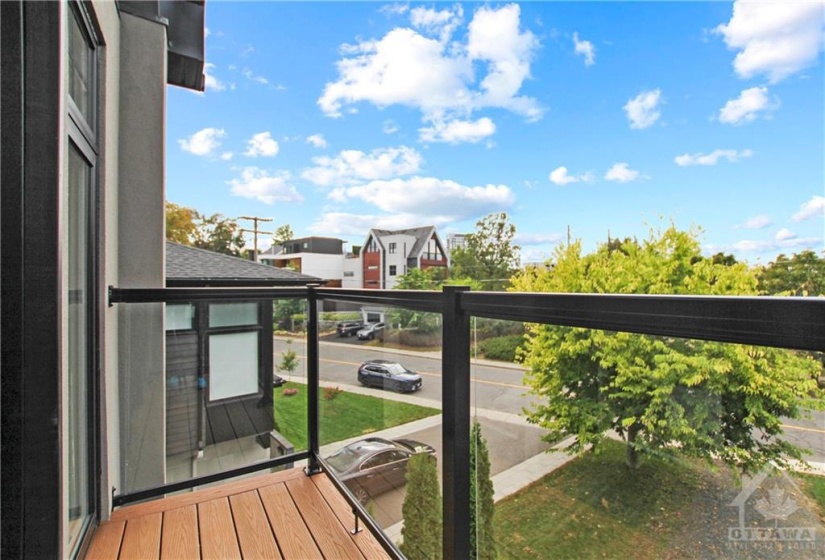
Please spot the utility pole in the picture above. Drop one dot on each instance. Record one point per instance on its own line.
(255, 231)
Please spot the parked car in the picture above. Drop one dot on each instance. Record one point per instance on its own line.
(388, 375)
(371, 466)
(349, 328)
(371, 330)
(277, 380)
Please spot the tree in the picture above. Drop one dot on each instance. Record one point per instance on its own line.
(489, 256)
(422, 510)
(482, 535)
(180, 223)
(289, 360)
(801, 274)
(219, 234)
(283, 234)
(704, 399)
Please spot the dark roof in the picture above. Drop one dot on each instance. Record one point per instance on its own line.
(189, 266)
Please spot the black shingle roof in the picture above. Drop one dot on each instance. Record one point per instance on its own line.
(188, 266)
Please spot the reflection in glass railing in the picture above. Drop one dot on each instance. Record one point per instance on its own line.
(380, 402)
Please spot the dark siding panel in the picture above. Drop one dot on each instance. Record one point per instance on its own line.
(181, 393)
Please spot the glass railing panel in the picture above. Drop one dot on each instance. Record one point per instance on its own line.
(200, 387)
(380, 416)
(616, 445)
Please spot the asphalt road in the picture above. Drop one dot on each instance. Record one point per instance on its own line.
(495, 387)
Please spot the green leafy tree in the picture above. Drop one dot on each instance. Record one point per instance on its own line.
(180, 223)
(289, 361)
(283, 234)
(219, 234)
(482, 534)
(283, 312)
(490, 255)
(706, 399)
(422, 532)
(418, 279)
(801, 274)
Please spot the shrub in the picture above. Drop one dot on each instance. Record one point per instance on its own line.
(501, 348)
(417, 339)
(332, 392)
(422, 510)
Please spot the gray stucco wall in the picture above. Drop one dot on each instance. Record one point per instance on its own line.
(141, 231)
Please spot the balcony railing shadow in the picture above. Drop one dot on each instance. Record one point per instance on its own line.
(794, 323)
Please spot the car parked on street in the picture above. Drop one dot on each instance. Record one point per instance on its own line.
(388, 375)
(371, 330)
(348, 328)
(371, 466)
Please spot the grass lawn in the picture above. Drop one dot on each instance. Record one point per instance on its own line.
(595, 507)
(345, 416)
(814, 486)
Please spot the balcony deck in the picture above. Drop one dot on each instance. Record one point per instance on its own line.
(281, 515)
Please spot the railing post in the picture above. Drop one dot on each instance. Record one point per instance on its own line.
(313, 380)
(455, 427)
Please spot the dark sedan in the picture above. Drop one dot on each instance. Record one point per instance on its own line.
(388, 375)
(372, 466)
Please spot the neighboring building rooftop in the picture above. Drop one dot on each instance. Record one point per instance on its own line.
(189, 266)
(421, 234)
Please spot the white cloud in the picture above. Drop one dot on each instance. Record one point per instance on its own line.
(206, 32)
(746, 107)
(767, 246)
(262, 144)
(814, 208)
(756, 222)
(457, 131)
(642, 110)
(561, 176)
(784, 234)
(622, 173)
(352, 166)
(389, 127)
(249, 75)
(405, 67)
(775, 39)
(536, 238)
(434, 22)
(394, 9)
(712, 158)
(420, 195)
(317, 140)
(258, 184)
(212, 83)
(203, 142)
(586, 49)
(226, 156)
(345, 223)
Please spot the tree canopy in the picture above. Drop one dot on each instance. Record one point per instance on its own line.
(422, 531)
(490, 255)
(801, 274)
(187, 226)
(706, 399)
(283, 234)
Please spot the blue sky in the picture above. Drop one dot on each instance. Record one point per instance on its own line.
(604, 117)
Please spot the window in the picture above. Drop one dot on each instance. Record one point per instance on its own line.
(233, 314)
(81, 192)
(348, 274)
(372, 246)
(392, 270)
(392, 247)
(179, 316)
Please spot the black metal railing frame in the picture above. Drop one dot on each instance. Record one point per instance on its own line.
(785, 322)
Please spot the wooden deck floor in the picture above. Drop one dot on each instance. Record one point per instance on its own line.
(281, 515)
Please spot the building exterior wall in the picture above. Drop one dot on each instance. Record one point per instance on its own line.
(353, 273)
(326, 266)
(403, 244)
(372, 273)
(141, 247)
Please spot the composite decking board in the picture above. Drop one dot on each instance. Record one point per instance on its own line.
(205, 494)
(365, 540)
(106, 541)
(141, 539)
(293, 536)
(332, 538)
(217, 530)
(179, 537)
(252, 526)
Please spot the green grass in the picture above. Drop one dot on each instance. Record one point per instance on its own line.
(814, 487)
(347, 415)
(596, 507)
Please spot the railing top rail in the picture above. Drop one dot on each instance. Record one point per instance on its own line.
(788, 322)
